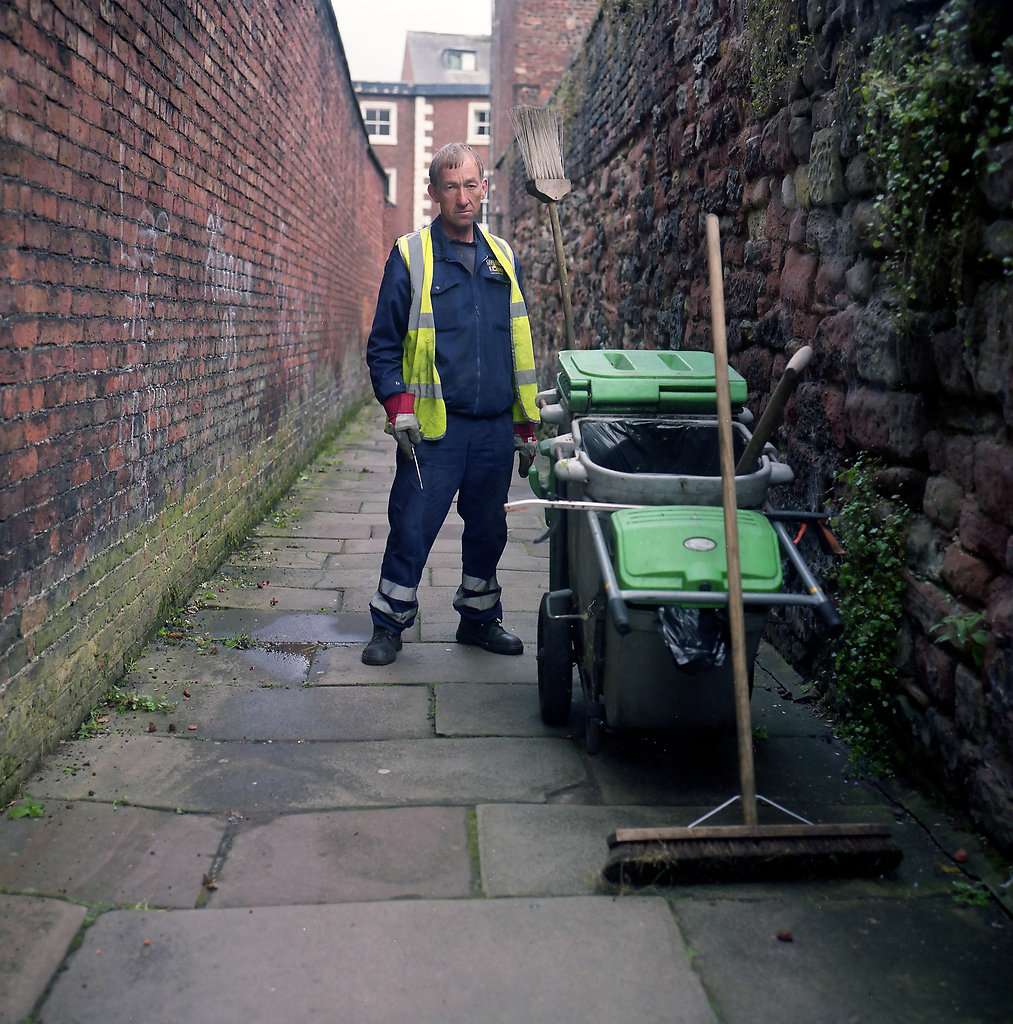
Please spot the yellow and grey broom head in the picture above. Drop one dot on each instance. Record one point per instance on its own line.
(539, 134)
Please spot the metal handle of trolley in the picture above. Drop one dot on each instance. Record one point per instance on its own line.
(616, 598)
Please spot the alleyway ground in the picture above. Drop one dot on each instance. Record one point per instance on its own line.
(317, 841)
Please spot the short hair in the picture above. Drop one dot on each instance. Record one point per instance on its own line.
(452, 155)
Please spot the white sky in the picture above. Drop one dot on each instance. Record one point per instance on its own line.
(373, 31)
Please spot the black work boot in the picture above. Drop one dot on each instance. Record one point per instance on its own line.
(490, 636)
(382, 647)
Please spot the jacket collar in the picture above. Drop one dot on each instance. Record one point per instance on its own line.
(441, 244)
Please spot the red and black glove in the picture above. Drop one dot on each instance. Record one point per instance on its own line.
(402, 422)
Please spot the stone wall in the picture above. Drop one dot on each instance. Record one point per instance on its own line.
(190, 247)
(661, 128)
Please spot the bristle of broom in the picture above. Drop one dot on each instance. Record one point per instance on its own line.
(735, 857)
(539, 133)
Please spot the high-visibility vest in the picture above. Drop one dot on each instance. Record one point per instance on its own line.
(419, 361)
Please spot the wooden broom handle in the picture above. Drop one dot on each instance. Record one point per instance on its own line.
(564, 284)
(736, 616)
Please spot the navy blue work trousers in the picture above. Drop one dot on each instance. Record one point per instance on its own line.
(473, 460)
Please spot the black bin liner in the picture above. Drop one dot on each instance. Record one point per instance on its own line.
(696, 637)
(656, 446)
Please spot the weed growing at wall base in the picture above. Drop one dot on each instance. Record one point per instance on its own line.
(28, 808)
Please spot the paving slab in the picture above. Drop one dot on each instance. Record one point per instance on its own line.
(430, 962)
(895, 961)
(348, 856)
(775, 715)
(490, 709)
(288, 553)
(317, 495)
(100, 853)
(165, 670)
(368, 545)
(951, 839)
(35, 934)
(241, 575)
(530, 558)
(552, 849)
(797, 773)
(424, 663)
(282, 626)
(330, 525)
(255, 778)
(361, 563)
(439, 625)
(284, 713)
(293, 599)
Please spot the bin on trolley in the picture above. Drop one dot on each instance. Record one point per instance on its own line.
(637, 598)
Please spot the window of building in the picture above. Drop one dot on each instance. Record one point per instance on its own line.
(380, 120)
(391, 173)
(460, 60)
(479, 124)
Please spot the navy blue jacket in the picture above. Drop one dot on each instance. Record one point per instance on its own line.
(474, 348)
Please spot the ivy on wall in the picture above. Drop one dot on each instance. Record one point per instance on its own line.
(870, 585)
(777, 42)
(934, 115)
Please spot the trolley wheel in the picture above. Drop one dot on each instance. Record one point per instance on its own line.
(555, 666)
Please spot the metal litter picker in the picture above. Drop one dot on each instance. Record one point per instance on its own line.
(701, 852)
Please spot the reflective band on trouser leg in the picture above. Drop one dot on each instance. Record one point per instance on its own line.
(404, 607)
(477, 596)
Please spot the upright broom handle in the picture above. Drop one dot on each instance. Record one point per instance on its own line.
(736, 617)
(564, 284)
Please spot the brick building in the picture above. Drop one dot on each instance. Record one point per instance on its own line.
(534, 42)
(443, 97)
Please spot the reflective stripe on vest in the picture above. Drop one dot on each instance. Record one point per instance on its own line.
(419, 361)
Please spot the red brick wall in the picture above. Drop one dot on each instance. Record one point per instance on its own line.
(190, 246)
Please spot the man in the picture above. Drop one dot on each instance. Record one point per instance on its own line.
(451, 361)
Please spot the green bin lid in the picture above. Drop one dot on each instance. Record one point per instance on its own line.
(641, 380)
(676, 547)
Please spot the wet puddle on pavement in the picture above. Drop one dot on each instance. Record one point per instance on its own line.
(287, 664)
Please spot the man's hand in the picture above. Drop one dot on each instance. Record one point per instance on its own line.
(526, 447)
(405, 428)
(402, 423)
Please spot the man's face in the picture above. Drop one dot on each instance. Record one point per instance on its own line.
(459, 195)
